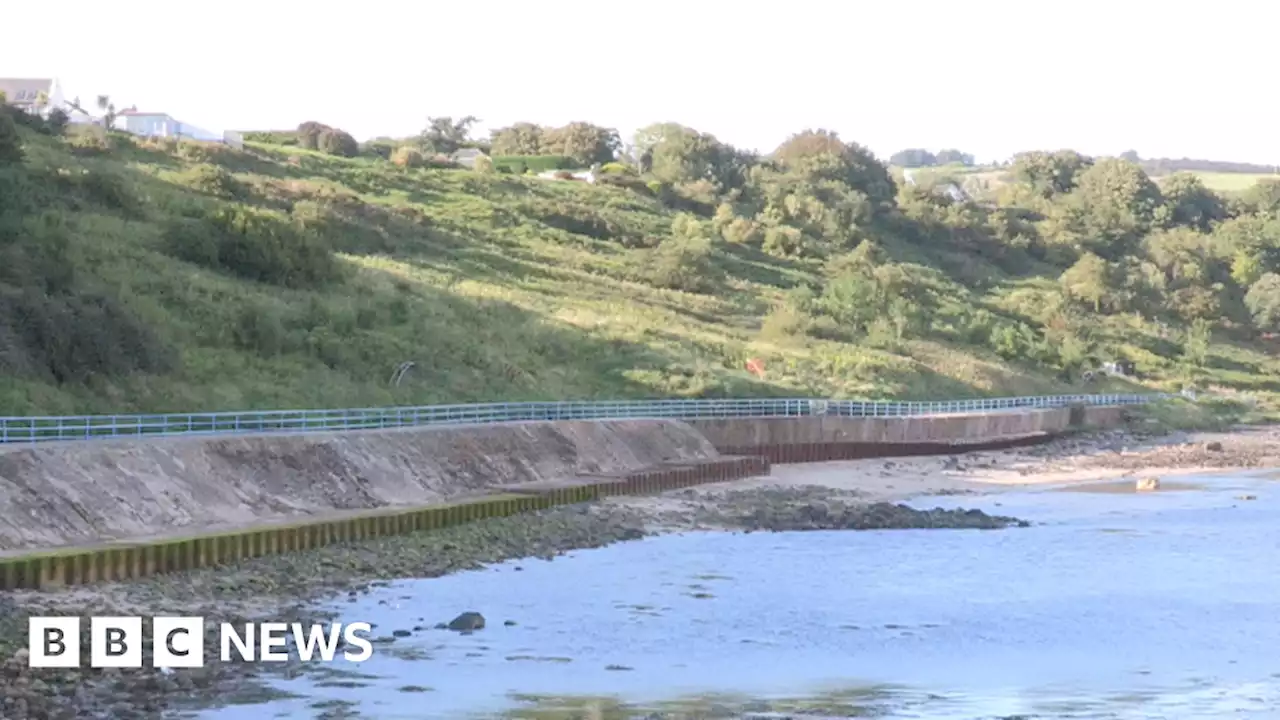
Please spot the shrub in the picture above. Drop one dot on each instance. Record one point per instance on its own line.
(617, 168)
(630, 182)
(213, 180)
(254, 245)
(378, 148)
(483, 165)
(10, 141)
(682, 263)
(89, 142)
(56, 123)
(337, 142)
(73, 337)
(783, 322)
(308, 134)
(534, 163)
(272, 137)
(109, 189)
(408, 156)
(441, 162)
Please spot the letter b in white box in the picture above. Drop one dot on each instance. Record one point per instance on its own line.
(178, 642)
(115, 642)
(53, 642)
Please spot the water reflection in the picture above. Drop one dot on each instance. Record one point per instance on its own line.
(1112, 606)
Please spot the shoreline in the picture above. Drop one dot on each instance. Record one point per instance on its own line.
(857, 494)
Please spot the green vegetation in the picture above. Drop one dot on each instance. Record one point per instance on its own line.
(304, 270)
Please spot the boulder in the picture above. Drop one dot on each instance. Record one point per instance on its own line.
(467, 621)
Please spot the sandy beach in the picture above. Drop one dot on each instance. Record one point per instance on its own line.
(1116, 456)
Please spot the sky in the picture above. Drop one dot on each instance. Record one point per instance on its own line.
(990, 77)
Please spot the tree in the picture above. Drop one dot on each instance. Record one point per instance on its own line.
(1263, 302)
(913, 158)
(582, 141)
(1263, 198)
(854, 165)
(1130, 156)
(1190, 203)
(1089, 280)
(1049, 174)
(108, 109)
(444, 135)
(523, 138)
(1195, 343)
(673, 153)
(1117, 203)
(952, 156)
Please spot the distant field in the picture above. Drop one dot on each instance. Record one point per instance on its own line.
(988, 178)
(1232, 182)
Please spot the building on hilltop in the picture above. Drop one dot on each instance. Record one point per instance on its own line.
(37, 96)
(152, 124)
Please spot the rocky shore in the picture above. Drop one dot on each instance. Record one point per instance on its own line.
(285, 587)
(859, 495)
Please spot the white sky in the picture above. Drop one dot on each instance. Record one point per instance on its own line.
(991, 77)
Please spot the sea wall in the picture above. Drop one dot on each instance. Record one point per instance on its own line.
(821, 438)
(94, 491)
(82, 512)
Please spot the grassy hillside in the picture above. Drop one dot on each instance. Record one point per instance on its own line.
(151, 276)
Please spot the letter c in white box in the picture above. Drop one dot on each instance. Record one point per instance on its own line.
(178, 642)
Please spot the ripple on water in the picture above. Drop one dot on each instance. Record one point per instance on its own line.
(1111, 605)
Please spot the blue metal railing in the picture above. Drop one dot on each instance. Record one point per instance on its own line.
(83, 427)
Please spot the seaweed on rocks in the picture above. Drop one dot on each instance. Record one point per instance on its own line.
(874, 516)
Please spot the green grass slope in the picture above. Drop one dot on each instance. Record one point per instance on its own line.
(162, 277)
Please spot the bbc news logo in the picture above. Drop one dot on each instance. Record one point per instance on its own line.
(178, 642)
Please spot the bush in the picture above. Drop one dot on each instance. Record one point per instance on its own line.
(378, 148)
(443, 162)
(308, 134)
(337, 142)
(272, 137)
(682, 263)
(534, 163)
(56, 123)
(785, 321)
(617, 168)
(213, 180)
(483, 165)
(109, 189)
(407, 156)
(254, 245)
(73, 337)
(10, 141)
(89, 142)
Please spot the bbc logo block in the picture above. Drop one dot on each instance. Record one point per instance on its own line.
(178, 642)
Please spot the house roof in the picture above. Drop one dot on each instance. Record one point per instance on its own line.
(137, 113)
(468, 152)
(24, 90)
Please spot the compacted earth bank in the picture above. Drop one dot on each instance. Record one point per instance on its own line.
(855, 495)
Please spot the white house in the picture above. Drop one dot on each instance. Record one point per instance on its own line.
(150, 124)
(35, 95)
